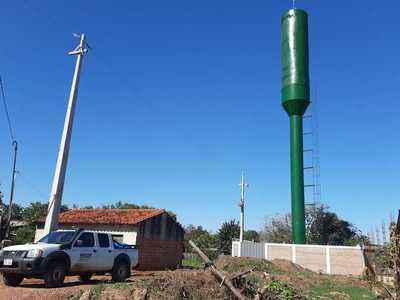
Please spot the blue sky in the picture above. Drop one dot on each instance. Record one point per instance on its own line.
(178, 97)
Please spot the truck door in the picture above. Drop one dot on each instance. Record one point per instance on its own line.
(104, 255)
(84, 253)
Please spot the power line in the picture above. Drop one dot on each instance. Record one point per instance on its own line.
(6, 111)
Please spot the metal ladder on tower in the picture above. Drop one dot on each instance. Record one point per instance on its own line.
(312, 186)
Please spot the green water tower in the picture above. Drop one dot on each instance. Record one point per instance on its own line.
(295, 99)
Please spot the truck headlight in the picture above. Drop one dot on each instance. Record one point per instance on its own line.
(34, 253)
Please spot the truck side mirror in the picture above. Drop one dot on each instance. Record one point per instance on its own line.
(78, 243)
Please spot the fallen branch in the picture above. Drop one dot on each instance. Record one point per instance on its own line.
(241, 274)
(226, 281)
(389, 292)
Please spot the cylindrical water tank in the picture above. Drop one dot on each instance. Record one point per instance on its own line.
(295, 74)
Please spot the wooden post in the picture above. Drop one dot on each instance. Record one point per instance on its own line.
(225, 280)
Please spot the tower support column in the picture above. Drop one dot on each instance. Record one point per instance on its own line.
(297, 179)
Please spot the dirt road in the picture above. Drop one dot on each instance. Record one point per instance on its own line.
(160, 284)
(33, 289)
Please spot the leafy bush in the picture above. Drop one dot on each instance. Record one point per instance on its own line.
(281, 290)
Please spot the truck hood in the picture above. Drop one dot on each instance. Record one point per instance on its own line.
(27, 247)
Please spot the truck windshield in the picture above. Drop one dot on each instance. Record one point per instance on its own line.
(58, 237)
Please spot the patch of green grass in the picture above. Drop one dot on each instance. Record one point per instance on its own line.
(194, 263)
(120, 285)
(331, 290)
(144, 283)
(306, 274)
(76, 296)
(356, 292)
(97, 290)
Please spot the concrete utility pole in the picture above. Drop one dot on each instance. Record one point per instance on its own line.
(61, 167)
(242, 185)
(10, 205)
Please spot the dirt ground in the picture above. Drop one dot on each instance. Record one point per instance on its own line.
(278, 278)
(33, 289)
(161, 284)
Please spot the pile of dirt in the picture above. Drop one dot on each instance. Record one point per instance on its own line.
(282, 279)
(240, 264)
(182, 284)
(179, 284)
(287, 266)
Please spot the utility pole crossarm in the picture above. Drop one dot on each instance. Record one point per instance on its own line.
(62, 160)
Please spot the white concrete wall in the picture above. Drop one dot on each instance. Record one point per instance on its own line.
(128, 232)
(339, 260)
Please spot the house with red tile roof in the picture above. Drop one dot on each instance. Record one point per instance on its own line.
(156, 234)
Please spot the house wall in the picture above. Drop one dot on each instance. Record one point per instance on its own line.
(159, 255)
(160, 243)
(128, 232)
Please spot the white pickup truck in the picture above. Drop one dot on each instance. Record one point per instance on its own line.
(67, 252)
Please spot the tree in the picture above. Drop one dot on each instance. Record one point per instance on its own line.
(205, 240)
(229, 230)
(278, 230)
(251, 235)
(323, 228)
(121, 205)
(326, 228)
(37, 210)
(24, 235)
(126, 205)
(16, 211)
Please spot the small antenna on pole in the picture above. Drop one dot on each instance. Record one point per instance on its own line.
(294, 4)
(243, 185)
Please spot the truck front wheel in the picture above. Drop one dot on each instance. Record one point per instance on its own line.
(12, 279)
(121, 271)
(55, 274)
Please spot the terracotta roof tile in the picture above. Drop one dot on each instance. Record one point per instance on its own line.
(108, 216)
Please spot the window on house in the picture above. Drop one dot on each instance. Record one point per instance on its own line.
(104, 241)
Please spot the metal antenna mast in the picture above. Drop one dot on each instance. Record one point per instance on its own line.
(61, 167)
(242, 185)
